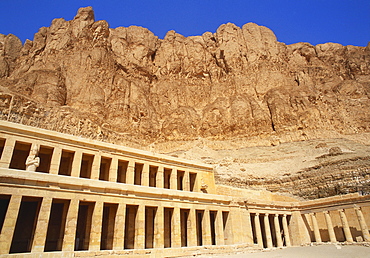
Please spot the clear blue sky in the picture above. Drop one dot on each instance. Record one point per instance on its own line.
(315, 21)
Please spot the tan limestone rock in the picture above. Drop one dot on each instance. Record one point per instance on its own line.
(236, 82)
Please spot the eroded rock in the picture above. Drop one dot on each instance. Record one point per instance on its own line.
(237, 82)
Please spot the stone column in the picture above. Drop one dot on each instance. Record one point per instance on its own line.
(186, 181)
(76, 164)
(267, 230)
(113, 170)
(173, 179)
(130, 174)
(96, 226)
(88, 228)
(346, 229)
(145, 175)
(70, 227)
(361, 220)
(112, 213)
(316, 229)
(55, 161)
(219, 228)
(10, 220)
(286, 231)
(95, 168)
(257, 226)
(119, 227)
(207, 238)
(329, 224)
(6, 157)
(159, 228)
(197, 183)
(42, 226)
(192, 228)
(279, 241)
(140, 228)
(176, 228)
(160, 179)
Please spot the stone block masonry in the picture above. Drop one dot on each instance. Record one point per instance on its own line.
(89, 198)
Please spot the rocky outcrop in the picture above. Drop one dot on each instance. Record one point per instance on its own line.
(328, 179)
(234, 88)
(235, 82)
(10, 47)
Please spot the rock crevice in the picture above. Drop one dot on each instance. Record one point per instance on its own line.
(235, 82)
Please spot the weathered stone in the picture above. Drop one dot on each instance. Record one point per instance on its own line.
(10, 47)
(125, 85)
(136, 81)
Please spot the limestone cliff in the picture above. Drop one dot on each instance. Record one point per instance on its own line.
(125, 85)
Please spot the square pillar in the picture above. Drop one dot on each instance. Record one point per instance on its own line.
(76, 164)
(329, 225)
(145, 175)
(95, 168)
(55, 161)
(113, 170)
(130, 175)
(219, 229)
(119, 227)
(286, 230)
(186, 181)
(316, 229)
(70, 227)
(257, 226)
(279, 240)
(173, 179)
(176, 228)
(363, 226)
(198, 183)
(346, 229)
(207, 238)
(160, 179)
(39, 239)
(140, 227)
(192, 228)
(6, 157)
(96, 227)
(266, 223)
(10, 220)
(159, 228)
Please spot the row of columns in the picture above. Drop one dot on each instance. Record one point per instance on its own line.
(345, 225)
(268, 234)
(71, 219)
(113, 169)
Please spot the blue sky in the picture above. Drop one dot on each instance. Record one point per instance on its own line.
(315, 21)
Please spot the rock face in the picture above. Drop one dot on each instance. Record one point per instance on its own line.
(235, 82)
(309, 169)
(10, 47)
(125, 85)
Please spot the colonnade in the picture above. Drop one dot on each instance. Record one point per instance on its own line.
(270, 230)
(76, 162)
(93, 225)
(94, 196)
(344, 225)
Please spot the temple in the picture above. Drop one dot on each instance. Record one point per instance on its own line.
(63, 195)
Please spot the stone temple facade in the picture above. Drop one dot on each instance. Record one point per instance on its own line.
(67, 196)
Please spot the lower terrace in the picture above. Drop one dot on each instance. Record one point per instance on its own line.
(88, 198)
